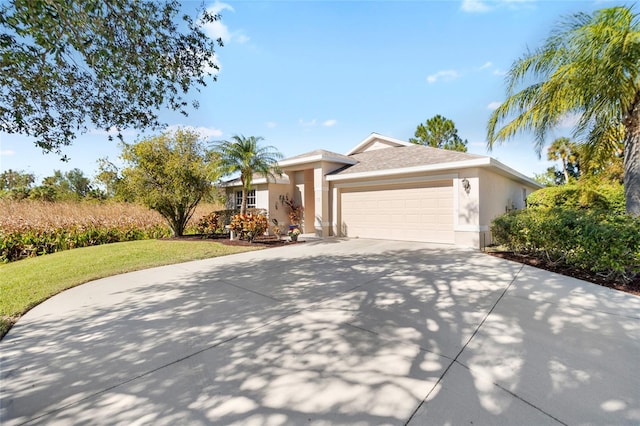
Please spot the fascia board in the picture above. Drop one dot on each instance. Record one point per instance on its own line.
(373, 136)
(314, 159)
(480, 162)
(513, 173)
(284, 179)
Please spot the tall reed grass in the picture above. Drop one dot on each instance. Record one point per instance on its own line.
(30, 228)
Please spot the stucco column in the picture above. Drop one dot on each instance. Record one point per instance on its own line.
(321, 192)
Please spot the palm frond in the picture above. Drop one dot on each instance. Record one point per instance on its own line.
(589, 66)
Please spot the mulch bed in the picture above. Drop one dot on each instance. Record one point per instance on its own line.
(223, 239)
(632, 287)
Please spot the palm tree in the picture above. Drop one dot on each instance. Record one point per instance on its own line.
(589, 67)
(245, 155)
(564, 150)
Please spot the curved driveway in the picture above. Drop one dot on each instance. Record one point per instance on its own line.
(329, 332)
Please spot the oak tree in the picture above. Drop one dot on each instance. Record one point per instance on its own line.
(68, 64)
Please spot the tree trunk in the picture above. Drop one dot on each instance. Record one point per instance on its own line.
(243, 206)
(632, 159)
(564, 170)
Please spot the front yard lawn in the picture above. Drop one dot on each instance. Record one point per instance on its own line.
(28, 282)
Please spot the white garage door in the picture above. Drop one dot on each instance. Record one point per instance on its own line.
(416, 212)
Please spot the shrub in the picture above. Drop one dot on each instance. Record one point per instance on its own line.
(568, 197)
(614, 194)
(30, 228)
(31, 241)
(210, 224)
(604, 243)
(249, 226)
(226, 216)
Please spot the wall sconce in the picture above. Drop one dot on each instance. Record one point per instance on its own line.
(466, 185)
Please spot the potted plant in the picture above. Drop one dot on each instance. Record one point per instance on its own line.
(294, 233)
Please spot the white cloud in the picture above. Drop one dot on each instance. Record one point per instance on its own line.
(218, 7)
(7, 152)
(271, 124)
(481, 6)
(204, 132)
(499, 72)
(474, 6)
(217, 29)
(569, 120)
(486, 65)
(240, 38)
(313, 123)
(444, 75)
(494, 105)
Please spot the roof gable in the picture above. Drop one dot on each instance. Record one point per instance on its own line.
(375, 142)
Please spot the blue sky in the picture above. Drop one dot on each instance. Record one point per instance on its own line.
(307, 75)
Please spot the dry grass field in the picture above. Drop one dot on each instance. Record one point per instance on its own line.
(29, 228)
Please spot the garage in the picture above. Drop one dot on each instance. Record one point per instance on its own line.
(414, 212)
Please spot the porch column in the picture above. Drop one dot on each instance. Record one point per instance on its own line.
(321, 192)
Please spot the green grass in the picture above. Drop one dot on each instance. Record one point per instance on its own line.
(28, 282)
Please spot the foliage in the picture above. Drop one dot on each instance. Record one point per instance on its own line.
(170, 174)
(43, 193)
(115, 63)
(569, 197)
(294, 234)
(294, 210)
(567, 152)
(613, 192)
(249, 226)
(551, 177)
(226, 216)
(109, 178)
(439, 132)
(29, 282)
(604, 243)
(210, 224)
(14, 179)
(16, 185)
(71, 185)
(244, 155)
(602, 163)
(277, 230)
(32, 228)
(588, 68)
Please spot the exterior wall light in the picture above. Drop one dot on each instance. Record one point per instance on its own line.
(466, 185)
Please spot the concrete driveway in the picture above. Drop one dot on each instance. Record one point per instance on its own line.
(331, 332)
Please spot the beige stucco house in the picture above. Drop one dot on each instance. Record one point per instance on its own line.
(386, 188)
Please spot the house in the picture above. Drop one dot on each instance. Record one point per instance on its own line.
(386, 188)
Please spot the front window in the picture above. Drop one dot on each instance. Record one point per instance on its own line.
(251, 199)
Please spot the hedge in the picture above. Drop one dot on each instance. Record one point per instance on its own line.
(605, 243)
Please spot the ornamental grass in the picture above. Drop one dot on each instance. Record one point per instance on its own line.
(31, 228)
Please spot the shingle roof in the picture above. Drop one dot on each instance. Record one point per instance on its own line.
(321, 152)
(403, 156)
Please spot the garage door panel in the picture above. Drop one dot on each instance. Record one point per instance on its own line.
(417, 212)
